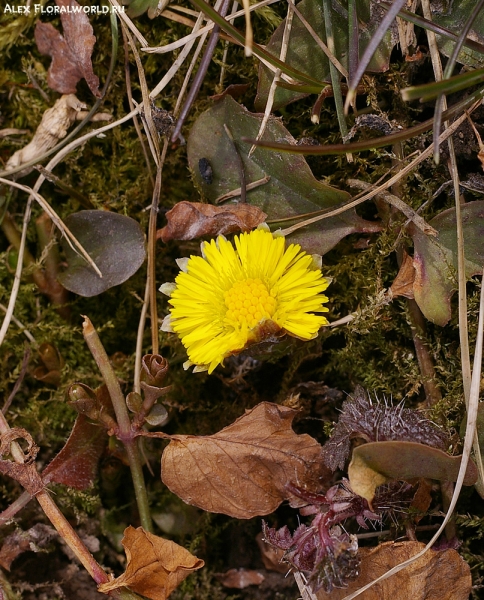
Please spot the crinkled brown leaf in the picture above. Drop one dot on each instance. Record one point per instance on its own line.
(33, 540)
(437, 575)
(76, 464)
(26, 474)
(71, 52)
(403, 283)
(271, 556)
(242, 470)
(190, 220)
(241, 578)
(374, 463)
(155, 566)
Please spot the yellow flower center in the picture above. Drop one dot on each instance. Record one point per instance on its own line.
(248, 302)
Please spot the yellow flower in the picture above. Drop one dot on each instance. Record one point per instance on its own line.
(229, 298)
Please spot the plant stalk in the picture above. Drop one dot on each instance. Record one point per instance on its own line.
(125, 433)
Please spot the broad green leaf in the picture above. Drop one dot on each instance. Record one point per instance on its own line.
(435, 259)
(454, 18)
(305, 55)
(292, 189)
(114, 242)
(376, 462)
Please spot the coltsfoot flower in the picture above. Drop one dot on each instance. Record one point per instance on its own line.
(232, 297)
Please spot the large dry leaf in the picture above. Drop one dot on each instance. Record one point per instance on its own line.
(190, 220)
(70, 53)
(155, 566)
(76, 464)
(243, 470)
(437, 575)
(374, 463)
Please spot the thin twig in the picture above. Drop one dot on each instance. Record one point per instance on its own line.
(238, 191)
(240, 166)
(18, 383)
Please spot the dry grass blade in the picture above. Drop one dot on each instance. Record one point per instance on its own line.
(272, 90)
(468, 442)
(72, 240)
(370, 49)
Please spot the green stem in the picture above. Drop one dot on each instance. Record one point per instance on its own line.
(125, 433)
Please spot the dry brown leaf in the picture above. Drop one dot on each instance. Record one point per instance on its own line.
(437, 575)
(53, 127)
(403, 284)
(242, 471)
(271, 556)
(70, 53)
(155, 566)
(26, 474)
(241, 578)
(34, 540)
(189, 220)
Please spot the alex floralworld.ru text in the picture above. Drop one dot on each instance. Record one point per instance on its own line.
(57, 10)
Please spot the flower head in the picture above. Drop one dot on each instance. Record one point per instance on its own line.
(231, 297)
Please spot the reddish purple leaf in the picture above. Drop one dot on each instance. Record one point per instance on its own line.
(76, 464)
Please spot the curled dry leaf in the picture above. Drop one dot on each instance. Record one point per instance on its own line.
(189, 220)
(437, 575)
(271, 556)
(70, 53)
(155, 566)
(243, 470)
(377, 462)
(53, 127)
(403, 284)
(26, 473)
(76, 464)
(241, 578)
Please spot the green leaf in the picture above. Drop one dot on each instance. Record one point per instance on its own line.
(454, 19)
(292, 190)
(377, 462)
(435, 259)
(305, 55)
(114, 242)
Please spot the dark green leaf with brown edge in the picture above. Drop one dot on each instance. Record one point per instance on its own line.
(77, 462)
(375, 463)
(116, 244)
(305, 55)
(435, 259)
(292, 190)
